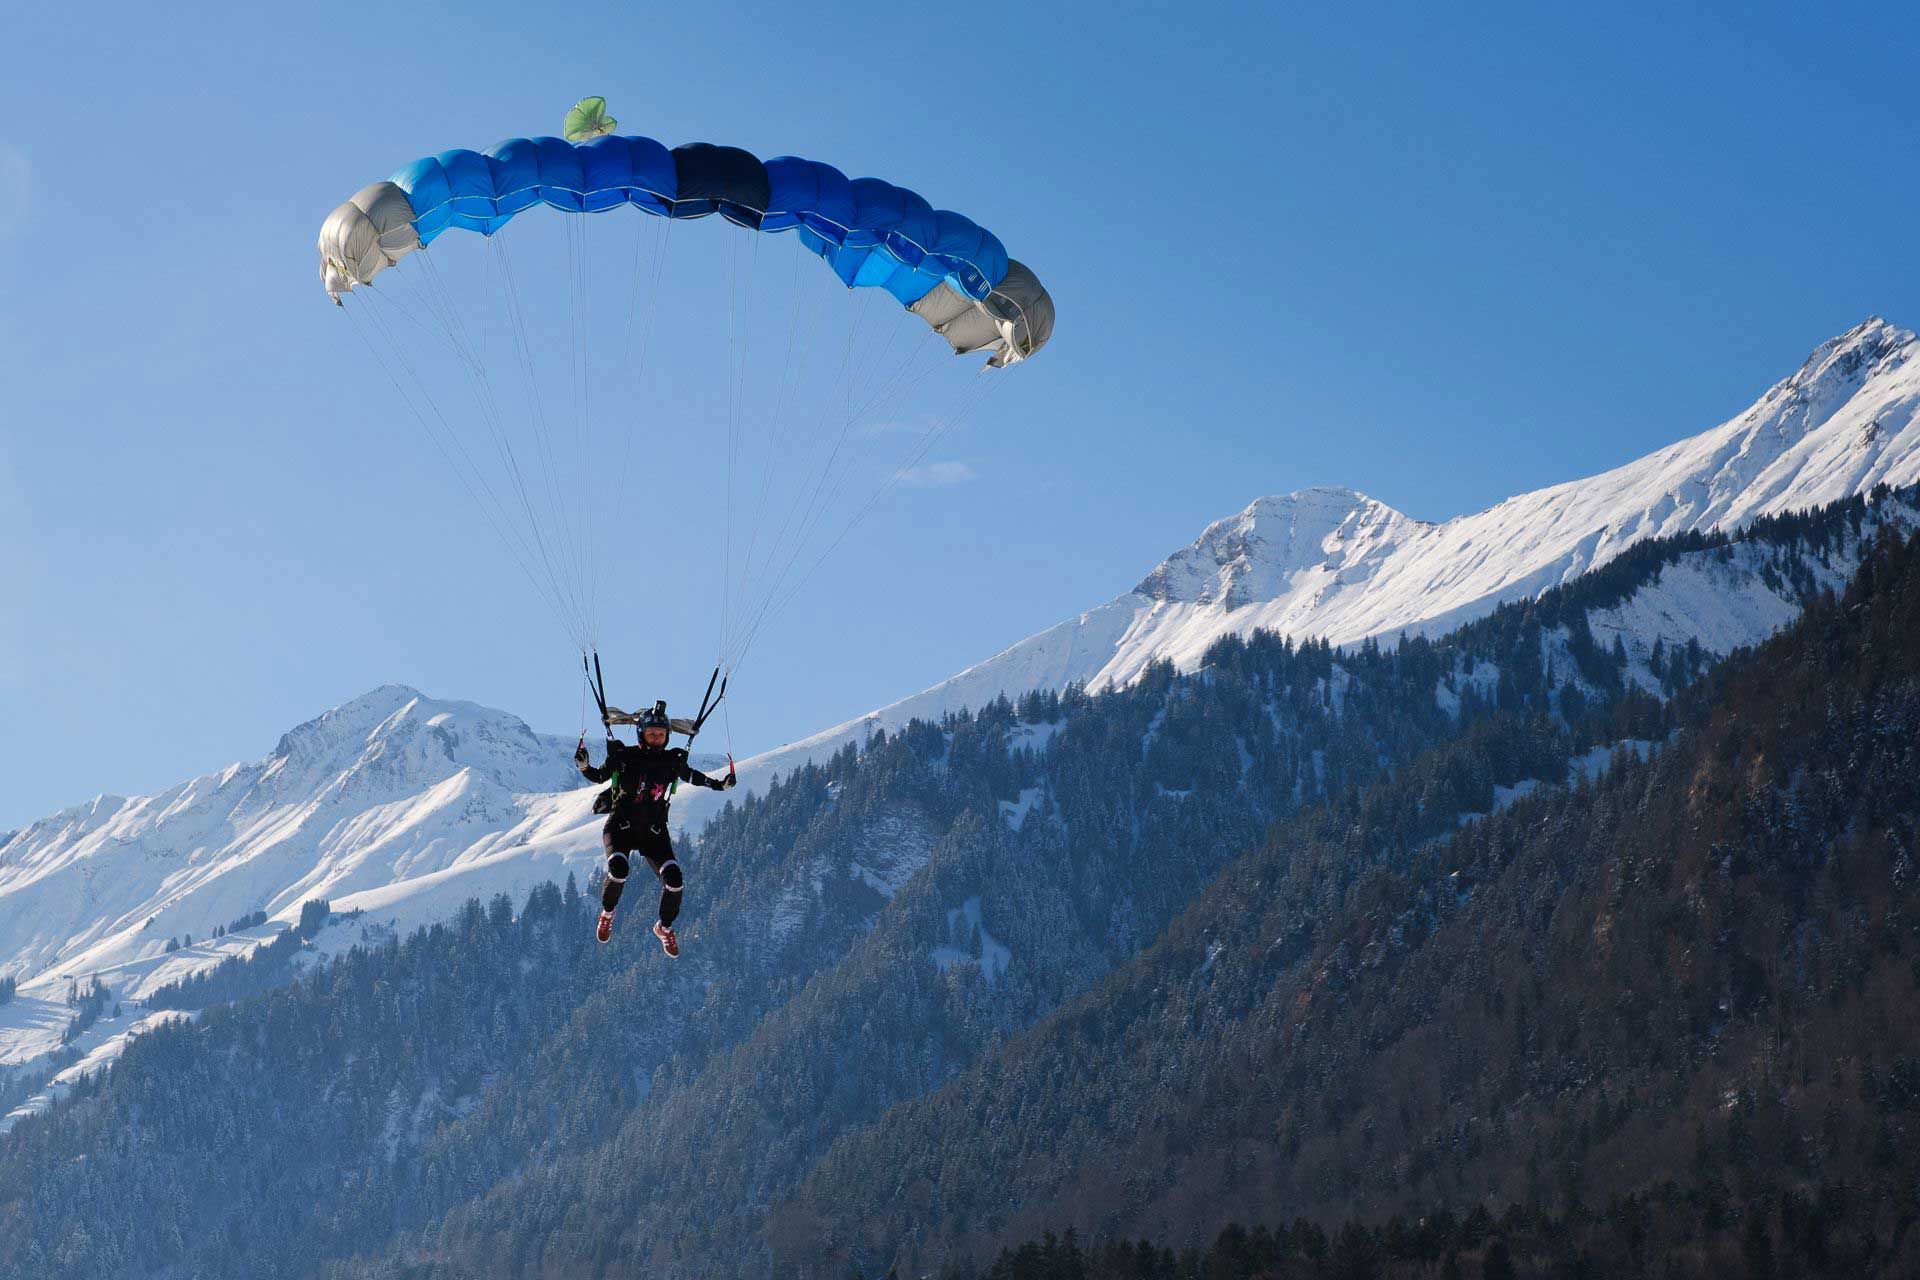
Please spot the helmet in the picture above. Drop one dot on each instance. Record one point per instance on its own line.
(655, 718)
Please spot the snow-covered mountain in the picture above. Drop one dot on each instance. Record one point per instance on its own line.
(1331, 562)
(394, 803)
(402, 807)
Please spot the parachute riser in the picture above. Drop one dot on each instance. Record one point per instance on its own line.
(708, 702)
(597, 682)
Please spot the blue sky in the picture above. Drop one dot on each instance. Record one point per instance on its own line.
(1439, 258)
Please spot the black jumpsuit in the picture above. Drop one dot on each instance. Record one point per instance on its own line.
(642, 776)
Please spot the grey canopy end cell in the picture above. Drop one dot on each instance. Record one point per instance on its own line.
(1023, 303)
(1014, 322)
(365, 236)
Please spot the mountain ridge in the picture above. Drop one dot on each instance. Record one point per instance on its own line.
(1847, 419)
(389, 786)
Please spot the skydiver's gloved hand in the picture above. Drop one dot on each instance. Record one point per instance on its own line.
(580, 755)
(722, 784)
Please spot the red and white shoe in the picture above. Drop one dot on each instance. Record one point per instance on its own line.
(605, 930)
(668, 942)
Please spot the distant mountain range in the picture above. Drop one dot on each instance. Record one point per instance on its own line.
(402, 807)
(1554, 911)
(1334, 563)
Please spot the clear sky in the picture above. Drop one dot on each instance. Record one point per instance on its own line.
(1438, 258)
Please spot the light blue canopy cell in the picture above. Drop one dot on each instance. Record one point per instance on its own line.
(940, 264)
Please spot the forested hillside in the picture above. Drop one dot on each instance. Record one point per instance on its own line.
(1687, 991)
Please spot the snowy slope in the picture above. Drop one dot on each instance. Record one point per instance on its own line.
(1335, 563)
(393, 803)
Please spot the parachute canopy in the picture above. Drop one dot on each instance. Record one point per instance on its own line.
(947, 269)
(753, 437)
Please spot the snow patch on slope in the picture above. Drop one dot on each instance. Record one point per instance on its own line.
(892, 848)
(1015, 811)
(963, 924)
(96, 1059)
(1719, 599)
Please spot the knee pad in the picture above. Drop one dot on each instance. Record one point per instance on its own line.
(670, 877)
(617, 867)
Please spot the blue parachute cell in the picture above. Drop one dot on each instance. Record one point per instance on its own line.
(872, 233)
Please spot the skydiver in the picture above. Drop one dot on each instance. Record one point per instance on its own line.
(643, 777)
